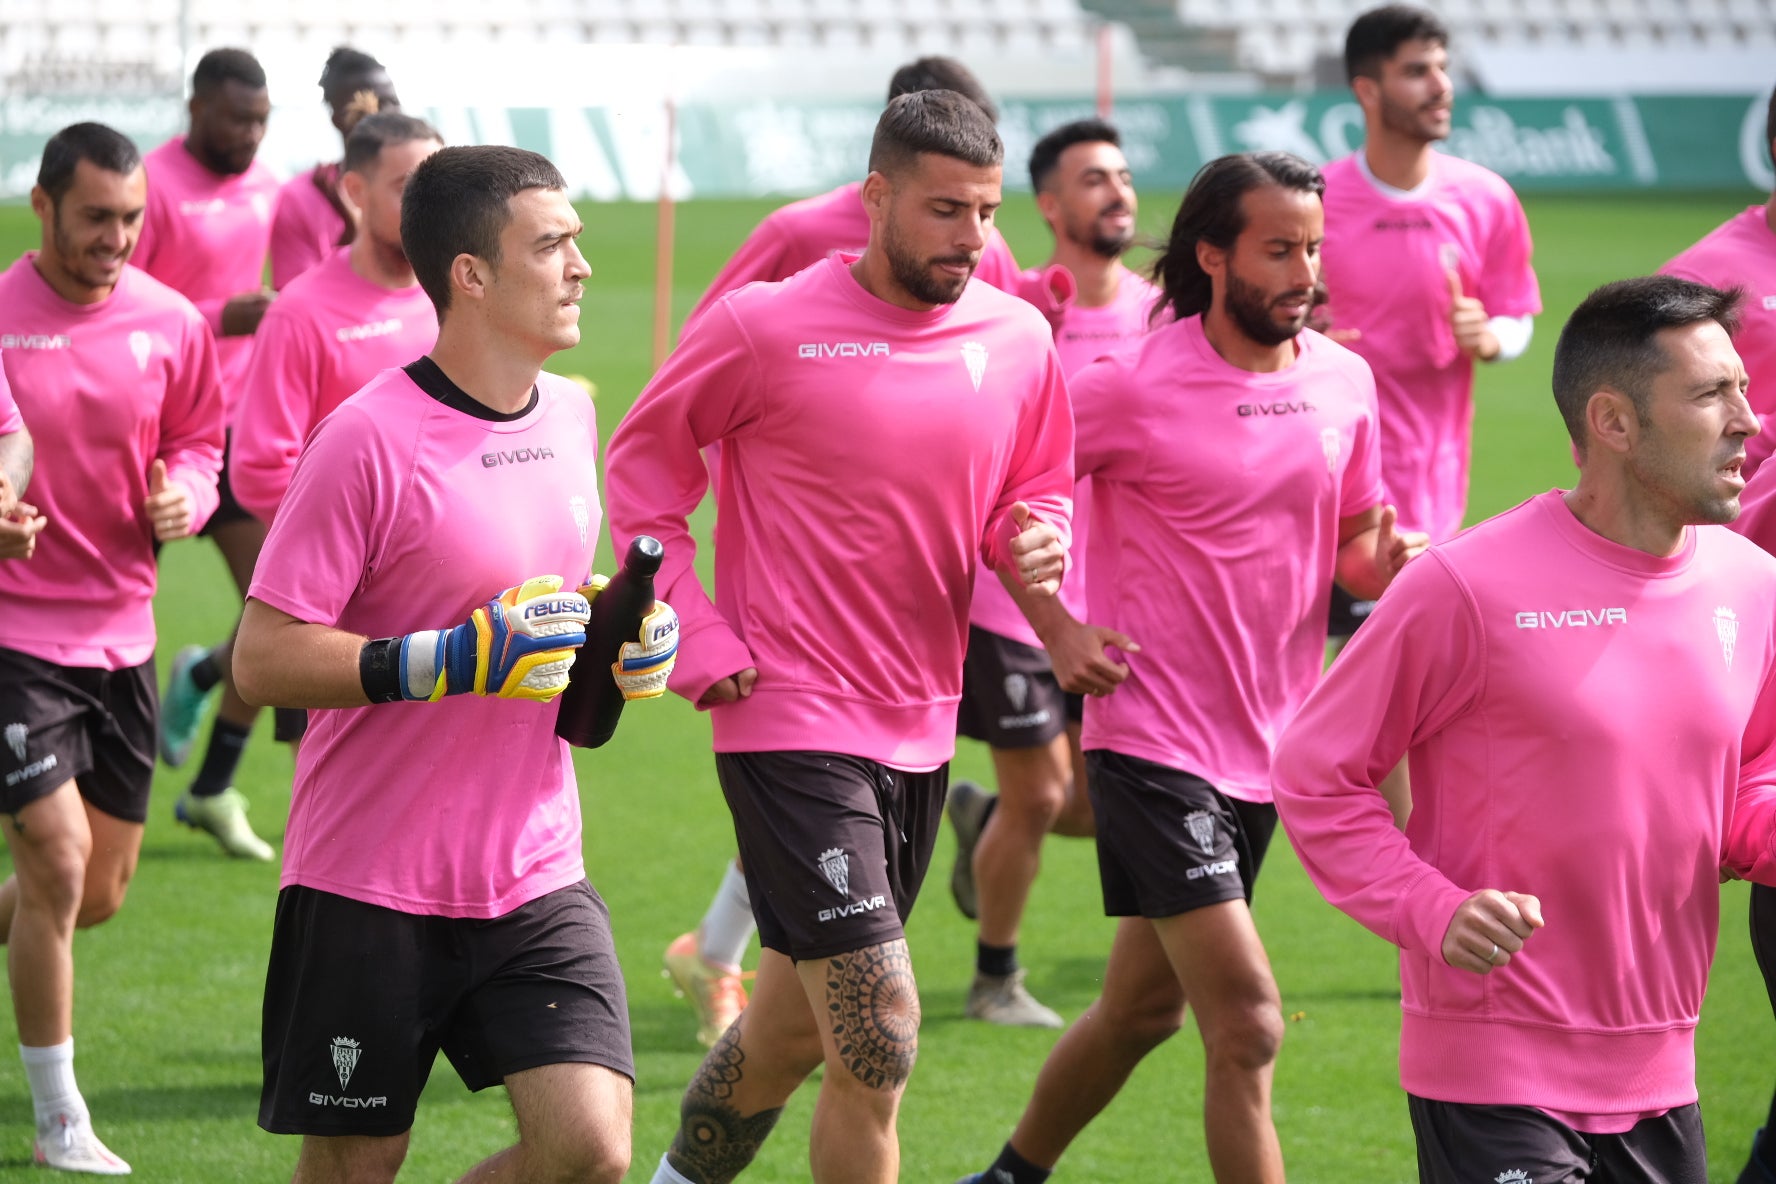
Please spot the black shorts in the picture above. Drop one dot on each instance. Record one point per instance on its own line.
(228, 510)
(1466, 1144)
(835, 847)
(359, 999)
(83, 723)
(1010, 698)
(1168, 841)
(1347, 613)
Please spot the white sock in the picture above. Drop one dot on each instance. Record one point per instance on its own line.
(665, 1174)
(728, 925)
(50, 1072)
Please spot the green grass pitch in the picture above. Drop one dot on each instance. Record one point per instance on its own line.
(167, 1008)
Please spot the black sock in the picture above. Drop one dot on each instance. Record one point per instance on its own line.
(227, 742)
(1016, 1168)
(997, 961)
(205, 673)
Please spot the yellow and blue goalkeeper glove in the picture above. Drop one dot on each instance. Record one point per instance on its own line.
(643, 666)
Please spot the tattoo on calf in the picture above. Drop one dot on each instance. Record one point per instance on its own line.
(714, 1141)
(874, 1006)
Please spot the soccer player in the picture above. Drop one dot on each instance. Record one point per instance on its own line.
(1583, 688)
(1427, 264)
(313, 218)
(1235, 474)
(359, 312)
(705, 963)
(205, 235)
(1010, 699)
(886, 427)
(117, 374)
(435, 896)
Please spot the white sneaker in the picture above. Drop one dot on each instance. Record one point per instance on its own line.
(68, 1143)
(1005, 1000)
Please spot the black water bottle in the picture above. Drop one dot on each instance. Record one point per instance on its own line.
(592, 702)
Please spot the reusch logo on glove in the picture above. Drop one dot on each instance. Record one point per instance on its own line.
(663, 630)
(492, 460)
(548, 608)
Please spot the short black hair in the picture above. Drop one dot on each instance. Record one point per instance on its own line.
(1608, 342)
(1213, 212)
(456, 203)
(226, 65)
(1046, 156)
(105, 147)
(941, 73)
(371, 134)
(935, 121)
(1376, 35)
(345, 66)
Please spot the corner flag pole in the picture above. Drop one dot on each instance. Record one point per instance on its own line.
(663, 235)
(1105, 55)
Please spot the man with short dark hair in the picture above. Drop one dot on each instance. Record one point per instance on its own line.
(435, 895)
(205, 235)
(1583, 688)
(887, 427)
(1010, 699)
(117, 374)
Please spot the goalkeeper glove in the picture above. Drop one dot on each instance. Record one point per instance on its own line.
(642, 666)
(520, 645)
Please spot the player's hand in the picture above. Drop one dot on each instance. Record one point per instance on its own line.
(1081, 665)
(19, 530)
(8, 495)
(1488, 928)
(1467, 316)
(241, 314)
(1036, 552)
(643, 665)
(1394, 549)
(731, 689)
(520, 645)
(168, 505)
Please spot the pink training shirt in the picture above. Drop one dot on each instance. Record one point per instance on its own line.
(871, 455)
(327, 335)
(408, 514)
(794, 237)
(1217, 497)
(1586, 723)
(306, 227)
(1741, 253)
(106, 389)
(1082, 335)
(1385, 262)
(205, 236)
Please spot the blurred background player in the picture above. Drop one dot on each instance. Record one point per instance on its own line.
(1554, 956)
(338, 325)
(1247, 519)
(117, 375)
(1010, 699)
(209, 220)
(834, 707)
(705, 963)
(313, 218)
(1427, 265)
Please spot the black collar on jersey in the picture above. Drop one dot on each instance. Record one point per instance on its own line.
(428, 377)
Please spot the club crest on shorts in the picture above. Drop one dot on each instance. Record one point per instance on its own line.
(975, 354)
(15, 739)
(1726, 627)
(1331, 445)
(345, 1058)
(582, 515)
(1201, 825)
(835, 865)
(141, 347)
(1017, 692)
(1514, 1176)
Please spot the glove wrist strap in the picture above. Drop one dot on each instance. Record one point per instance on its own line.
(379, 670)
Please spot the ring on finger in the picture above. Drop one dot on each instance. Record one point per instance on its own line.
(1492, 957)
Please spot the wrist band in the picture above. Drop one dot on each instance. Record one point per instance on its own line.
(379, 669)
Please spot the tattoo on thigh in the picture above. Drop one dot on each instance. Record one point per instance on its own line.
(714, 1141)
(874, 1005)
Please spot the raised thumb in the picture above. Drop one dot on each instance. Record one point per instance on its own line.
(157, 476)
(1020, 514)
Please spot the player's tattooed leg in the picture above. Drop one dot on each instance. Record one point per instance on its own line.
(874, 1004)
(715, 1141)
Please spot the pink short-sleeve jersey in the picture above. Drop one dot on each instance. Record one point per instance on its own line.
(10, 419)
(1217, 494)
(307, 225)
(871, 457)
(205, 236)
(329, 333)
(1385, 263)
(107, 389)
(1741, 253)
(1585, 723)
(408, 514)
(1082, 336)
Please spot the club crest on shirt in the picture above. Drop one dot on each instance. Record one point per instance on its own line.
(975, 355)
(835, 865)
(1331, 445)
(1726, 627)
(581, 515)
(1201, 825)
(141, 347)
